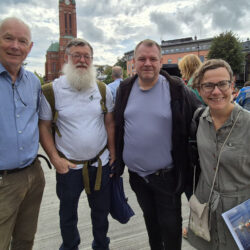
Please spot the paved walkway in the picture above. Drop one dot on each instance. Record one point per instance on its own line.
(131, 236)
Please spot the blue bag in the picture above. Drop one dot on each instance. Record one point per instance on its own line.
(119, 207)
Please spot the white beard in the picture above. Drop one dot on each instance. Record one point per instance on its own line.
(79, 79)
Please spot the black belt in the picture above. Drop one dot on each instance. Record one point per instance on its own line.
(163, 172)
(15, 170)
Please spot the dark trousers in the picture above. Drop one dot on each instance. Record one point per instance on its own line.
(69, 188)
(161, 209)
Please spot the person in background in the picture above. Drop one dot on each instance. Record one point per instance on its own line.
(117, 77)
(214, 81)
(153, 111)
(84, 150)
(21, 176)
(188, 65)
(243, 98)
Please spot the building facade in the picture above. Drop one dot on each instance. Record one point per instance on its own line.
(174, 50)
(67, 31)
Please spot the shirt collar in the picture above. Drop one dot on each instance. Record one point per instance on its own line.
(20, 74)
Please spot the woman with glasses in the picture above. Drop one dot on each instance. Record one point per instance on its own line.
(213, 80)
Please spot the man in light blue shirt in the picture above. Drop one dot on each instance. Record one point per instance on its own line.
(21, 177)
(117, 77)
(243, 98)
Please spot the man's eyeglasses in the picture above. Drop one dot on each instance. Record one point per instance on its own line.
(80, 56)
(223, 86)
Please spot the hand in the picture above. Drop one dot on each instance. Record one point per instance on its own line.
(112, 168)
(62, 165)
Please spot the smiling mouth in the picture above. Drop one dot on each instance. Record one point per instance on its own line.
(10, 54)
(217, 99)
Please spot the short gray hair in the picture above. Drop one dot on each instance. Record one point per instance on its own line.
(148, 43)
(7, 19)
(78, 42)
(117, 71)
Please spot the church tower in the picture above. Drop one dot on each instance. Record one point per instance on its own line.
(67, 31)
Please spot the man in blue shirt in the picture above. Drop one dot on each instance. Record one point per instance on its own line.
(21, 177)
(243, 98)
(117, 77)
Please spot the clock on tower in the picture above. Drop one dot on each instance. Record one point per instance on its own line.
(67, 2)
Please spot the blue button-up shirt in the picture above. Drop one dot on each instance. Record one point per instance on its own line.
(113, 87)
(19, 136)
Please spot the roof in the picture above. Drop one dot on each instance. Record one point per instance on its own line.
(54, 47)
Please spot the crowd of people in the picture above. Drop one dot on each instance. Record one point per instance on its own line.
(90, 132)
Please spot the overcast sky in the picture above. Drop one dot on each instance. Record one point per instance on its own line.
(114, 27)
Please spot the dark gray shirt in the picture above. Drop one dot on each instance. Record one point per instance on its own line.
(148, 129)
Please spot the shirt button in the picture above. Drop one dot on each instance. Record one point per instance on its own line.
(230, 144)
(17, 116)
(20, 132)
(21, 148)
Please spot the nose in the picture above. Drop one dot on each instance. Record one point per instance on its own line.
(15, 44)
(147, 62)
(82, 58)
(216, 90)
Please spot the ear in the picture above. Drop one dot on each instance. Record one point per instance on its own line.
(161, 61)
(66, 58)
(30, 46)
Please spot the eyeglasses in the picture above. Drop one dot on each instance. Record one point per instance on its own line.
(80, 56)
(209, 87)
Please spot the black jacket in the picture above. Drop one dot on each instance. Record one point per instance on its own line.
(183, 105)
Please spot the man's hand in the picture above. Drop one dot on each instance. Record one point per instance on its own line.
(62, 165)
(112, 168)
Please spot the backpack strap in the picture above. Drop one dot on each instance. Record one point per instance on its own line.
(102, 90)
(50, 97)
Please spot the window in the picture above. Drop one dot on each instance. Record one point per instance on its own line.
(179, 59)
(66, 23)
(169, 61)
(70, 24)
(53, 67)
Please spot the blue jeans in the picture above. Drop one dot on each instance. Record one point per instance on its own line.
(161, 209)
(69, 188)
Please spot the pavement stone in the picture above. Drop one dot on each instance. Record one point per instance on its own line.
(131, 236)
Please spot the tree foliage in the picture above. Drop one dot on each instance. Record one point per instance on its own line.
(39, 76)
(108, 73)
(227, 46)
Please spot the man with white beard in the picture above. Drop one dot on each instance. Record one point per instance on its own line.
(84, 151)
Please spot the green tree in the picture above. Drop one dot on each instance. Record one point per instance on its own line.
(39, 77)
(227, 46)
(108, 73)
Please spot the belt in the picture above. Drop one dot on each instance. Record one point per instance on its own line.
(85, 174)
(163, 172)
(15, 170)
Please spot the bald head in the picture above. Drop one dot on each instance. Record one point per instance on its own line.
(117, 72)
(15, 21)
(15, 44)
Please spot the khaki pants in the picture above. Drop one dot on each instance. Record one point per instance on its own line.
(20, 199)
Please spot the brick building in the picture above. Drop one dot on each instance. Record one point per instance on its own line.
(174, 50)
(68, 31)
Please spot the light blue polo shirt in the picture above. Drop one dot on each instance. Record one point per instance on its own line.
(19, 136)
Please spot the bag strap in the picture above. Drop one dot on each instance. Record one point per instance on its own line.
(102, 90)
(50, 97)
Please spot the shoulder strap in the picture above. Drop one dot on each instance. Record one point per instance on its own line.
(102, 90)
(50, 97)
